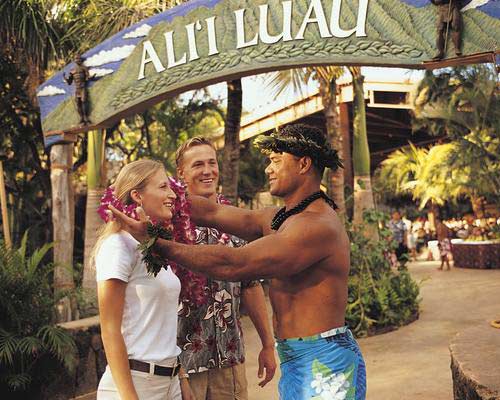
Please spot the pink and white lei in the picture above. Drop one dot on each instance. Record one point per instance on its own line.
(193, 285)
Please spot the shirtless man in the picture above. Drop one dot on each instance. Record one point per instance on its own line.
(304, 250)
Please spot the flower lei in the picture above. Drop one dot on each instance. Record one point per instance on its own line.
(192, 285)
(108, 199)
(222, 238)
(198, 294)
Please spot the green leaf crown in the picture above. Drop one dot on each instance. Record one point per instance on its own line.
(301, 140)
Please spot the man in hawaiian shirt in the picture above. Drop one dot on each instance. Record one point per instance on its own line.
(211, 336)
(398, 228)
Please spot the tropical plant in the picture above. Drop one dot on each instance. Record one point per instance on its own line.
(33, 41)
(100, 19)
(30, 344)
(431, 176)
(25, 164)
(422, 174)
(464, 104)
(326, 77)
(32, 32)
(158, 132)
(380, 298)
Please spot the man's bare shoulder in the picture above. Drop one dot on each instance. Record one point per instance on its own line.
(315, 223)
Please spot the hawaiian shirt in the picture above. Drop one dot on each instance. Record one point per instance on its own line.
(210, 336)
(398, 229)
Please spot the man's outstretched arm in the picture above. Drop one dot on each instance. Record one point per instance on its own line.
(273, 256)
(246, 224)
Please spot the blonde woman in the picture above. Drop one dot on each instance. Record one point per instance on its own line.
(138, 311)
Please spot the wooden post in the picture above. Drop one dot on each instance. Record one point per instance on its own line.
(63, 219)
(5, 214)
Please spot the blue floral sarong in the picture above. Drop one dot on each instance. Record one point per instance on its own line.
(327, 366)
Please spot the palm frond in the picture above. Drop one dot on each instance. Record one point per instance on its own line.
(23, 247)
(101, 19)
(283, 81)
(30, 345)
(60, 343)
(32, 27)
(36, 258)
(8, 347)
(18, 382)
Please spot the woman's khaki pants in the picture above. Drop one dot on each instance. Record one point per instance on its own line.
(147, 386)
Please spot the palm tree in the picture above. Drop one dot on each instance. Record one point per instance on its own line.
(430, 176)
(231, 152)
(100, 19)
(33, 30)
(401, 173)
(363, 195)
(326, 77)
(464, 104)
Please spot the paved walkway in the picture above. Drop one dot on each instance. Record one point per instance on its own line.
(413, 363)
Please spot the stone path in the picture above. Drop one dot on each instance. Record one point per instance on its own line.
(413, 363)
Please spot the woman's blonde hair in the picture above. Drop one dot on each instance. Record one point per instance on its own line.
(133, 176)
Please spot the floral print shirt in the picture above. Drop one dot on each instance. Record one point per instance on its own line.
(210, 336)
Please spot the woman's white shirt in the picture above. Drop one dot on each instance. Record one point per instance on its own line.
(149, 323)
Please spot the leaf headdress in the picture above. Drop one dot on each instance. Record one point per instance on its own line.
(301, 140)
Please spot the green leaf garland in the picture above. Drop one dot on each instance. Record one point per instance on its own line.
(154, 262)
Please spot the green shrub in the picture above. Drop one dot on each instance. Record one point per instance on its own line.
(380, 297)
(31, 346)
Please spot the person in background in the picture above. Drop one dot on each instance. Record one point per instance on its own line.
(411, 240)
(444, 244)
(398, 228)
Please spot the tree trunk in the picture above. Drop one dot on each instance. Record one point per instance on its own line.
(432, 215)
(63, 219)
(363, 196)
(328, 91)
(477, 204)
(345, 131)
(231, 153)
(5, 211)
(95, 190)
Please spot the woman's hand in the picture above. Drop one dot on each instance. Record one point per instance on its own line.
(138, 229)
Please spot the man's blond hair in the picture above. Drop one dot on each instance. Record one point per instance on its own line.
(193, 142)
